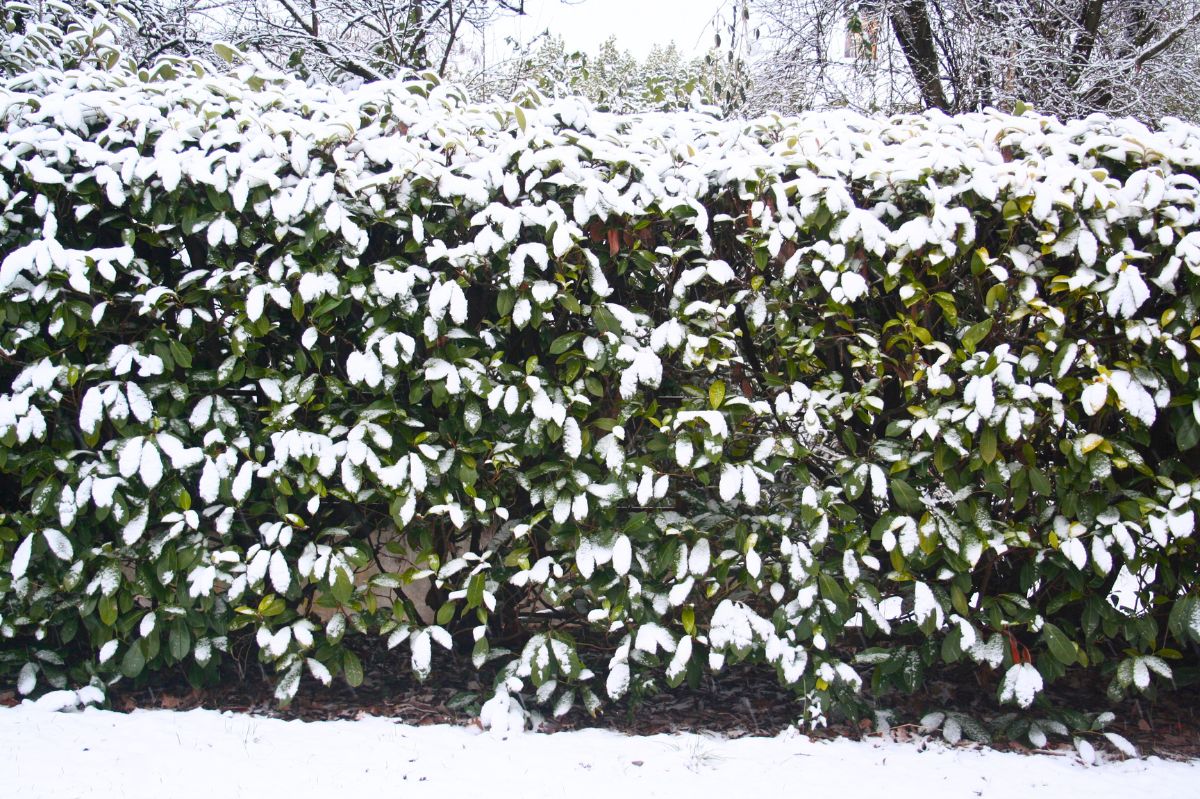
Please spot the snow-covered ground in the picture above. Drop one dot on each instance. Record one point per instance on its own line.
(208, 754)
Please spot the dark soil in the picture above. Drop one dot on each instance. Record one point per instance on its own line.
(741, 701)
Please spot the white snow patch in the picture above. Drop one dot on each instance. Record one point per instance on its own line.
(102, 754)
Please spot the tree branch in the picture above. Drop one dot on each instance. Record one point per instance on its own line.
(1164, 41)
(1089, 24)
(910, 19)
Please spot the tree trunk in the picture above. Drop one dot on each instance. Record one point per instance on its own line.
(1090, 17)
(910, 19)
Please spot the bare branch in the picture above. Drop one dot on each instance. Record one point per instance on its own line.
(1165, 41)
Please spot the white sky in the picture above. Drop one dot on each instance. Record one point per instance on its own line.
(637, 24)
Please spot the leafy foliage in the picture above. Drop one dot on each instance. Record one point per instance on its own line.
(613, 79)
(850, 397)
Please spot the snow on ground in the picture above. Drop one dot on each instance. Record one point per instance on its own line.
(204, 753)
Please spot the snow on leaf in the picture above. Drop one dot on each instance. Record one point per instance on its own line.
(398, 636)
(255, 302)
(181, 457)
(150, 469)
(700, 558)
(850, 566)
(652, 637)
(1022, 683)
(731, 482)
(1122, 744)
(1075, 551)
(1093, 398)
(979, 393)
(720, 271)
(130, 459)
(285, 691)
(925, 605)
(622, 555)
(201, 413)
(572, 438)
(27, 679)
(20, 561)
(585, 558)
(750, 486)
(242, 482)
(684, 453)
(67, 507)
(256, 569)
(1087, 247)
(279, 641)
(422, 653)
(1087, 753)
(753, 563)
(59, 544)
(1134, 399)
(210, 482)
(617, 683)
(281, 575)
(441, 636)
(417, 474)
(319, 671)
(200, 581)
(1101, 556)
(1141, 674)
(91, 410)
(1129, 294)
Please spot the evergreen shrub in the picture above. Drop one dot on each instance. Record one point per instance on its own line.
(602, 402)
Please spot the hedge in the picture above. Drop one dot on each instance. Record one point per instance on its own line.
(607, 402)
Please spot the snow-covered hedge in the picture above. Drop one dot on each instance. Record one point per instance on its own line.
(850, 397)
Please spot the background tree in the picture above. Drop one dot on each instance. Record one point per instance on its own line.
(612, 78)
(323, 40)
(1068, 57)
(367, 39)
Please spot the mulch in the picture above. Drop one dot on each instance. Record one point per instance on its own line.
(741, 701)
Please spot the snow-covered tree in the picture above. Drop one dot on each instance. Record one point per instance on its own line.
(324, 40)
(1067, 57)
(612, 77)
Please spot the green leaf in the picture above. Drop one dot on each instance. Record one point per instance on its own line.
(959, 600)
(716, 394)
(987, 445)
(181, 354)
(108, 610)
(995, 295)
(179, 641)
(1059, 644)
(563, 343)
(945, 301)
(906, 496)
(479, 652)
(975, 334)
(271, 605)
(1039, 482)
(342, 589)
(352, 668)
(227, 54)
(134, 661)
(475, 591)
(1187, 431)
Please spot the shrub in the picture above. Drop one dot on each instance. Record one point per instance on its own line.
(845, 396)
